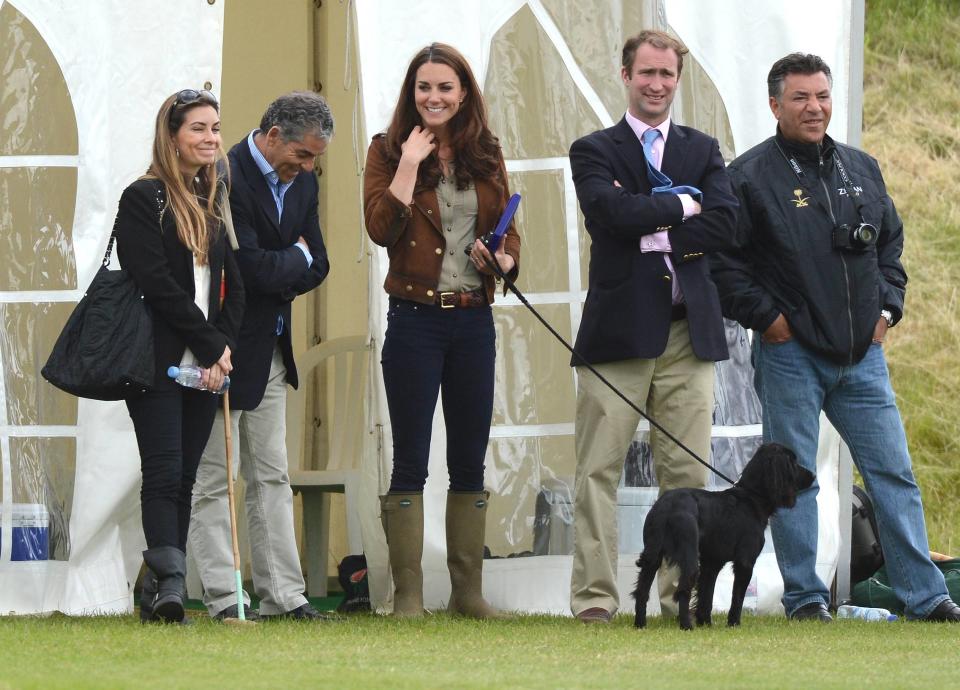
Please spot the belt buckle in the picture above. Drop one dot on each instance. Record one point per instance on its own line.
(444, 304)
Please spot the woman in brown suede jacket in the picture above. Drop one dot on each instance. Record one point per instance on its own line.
(433, 184)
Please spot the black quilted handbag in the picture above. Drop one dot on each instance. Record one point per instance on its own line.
(105, 350)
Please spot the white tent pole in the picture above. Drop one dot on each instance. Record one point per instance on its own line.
(855, 81)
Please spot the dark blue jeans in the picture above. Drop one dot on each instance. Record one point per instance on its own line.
(795, 384)
(172, 425)
(429, 350)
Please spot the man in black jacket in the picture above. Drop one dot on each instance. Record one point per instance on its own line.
(273, 200)
(651, 321)
(817, 276)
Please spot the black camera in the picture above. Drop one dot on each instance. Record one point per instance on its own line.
(854, 239)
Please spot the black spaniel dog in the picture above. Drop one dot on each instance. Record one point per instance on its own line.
(701, 530)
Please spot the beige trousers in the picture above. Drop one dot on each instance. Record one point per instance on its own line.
(676, 389)
(274, 561)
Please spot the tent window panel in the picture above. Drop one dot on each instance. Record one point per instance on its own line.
(526, 476)
(28, 333)
(38, 117)
(36, 228)
(541, 222)
(43, 472)
(535, 107)
(534, 382)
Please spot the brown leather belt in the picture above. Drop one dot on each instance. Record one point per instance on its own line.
(473, 298)
(679, 312)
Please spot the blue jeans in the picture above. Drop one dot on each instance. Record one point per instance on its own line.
(794, 384)
(428, 351)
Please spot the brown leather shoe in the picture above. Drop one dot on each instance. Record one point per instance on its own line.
(594, 615)
(945, 612)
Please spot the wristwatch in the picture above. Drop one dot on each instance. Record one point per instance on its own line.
(888, 316)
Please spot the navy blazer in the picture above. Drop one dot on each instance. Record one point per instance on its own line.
(274, 270)
(628, 307)
(162, 266)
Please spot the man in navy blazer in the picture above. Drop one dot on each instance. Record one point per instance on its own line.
(273, 200)
(651, 322)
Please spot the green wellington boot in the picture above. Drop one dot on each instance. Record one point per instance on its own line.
(466, 527)
(402, 518)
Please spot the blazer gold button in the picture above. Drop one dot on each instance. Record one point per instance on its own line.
(667, 278)
(409, 288)
(413, 243)
(429, 293)
(429, 211)
(439, 251)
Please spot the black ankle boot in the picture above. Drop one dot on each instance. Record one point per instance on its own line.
(170, 566)
(148, 592)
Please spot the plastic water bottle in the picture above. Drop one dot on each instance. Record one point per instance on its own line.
(865, 613)
(190, 376)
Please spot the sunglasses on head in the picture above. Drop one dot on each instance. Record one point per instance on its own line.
(188, 96)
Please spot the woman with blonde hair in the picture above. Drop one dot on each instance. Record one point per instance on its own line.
(171, 238)
(433, 185)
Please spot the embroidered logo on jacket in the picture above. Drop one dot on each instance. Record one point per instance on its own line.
(801, 200)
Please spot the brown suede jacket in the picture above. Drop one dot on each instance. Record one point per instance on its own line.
(412, 234)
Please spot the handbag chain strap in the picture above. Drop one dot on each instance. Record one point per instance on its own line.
(161, 200)
(113, 238)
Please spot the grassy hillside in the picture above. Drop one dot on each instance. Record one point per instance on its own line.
(912, 126)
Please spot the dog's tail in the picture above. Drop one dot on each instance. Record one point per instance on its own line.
(652, 539)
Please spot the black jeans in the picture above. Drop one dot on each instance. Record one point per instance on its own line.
(429, 350)
(172, 424)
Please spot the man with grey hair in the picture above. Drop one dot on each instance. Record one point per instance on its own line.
(273, 200)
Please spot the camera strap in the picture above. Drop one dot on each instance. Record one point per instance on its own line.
(848, 185)
(495, 267)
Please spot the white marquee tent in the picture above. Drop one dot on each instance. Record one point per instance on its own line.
(535, 59)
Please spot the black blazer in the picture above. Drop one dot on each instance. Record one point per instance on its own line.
(628, 307)
(162, 266)
(274, 271)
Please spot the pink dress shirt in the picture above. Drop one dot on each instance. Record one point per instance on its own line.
(660, 241)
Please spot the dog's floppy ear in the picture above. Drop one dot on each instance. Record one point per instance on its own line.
(784, 476)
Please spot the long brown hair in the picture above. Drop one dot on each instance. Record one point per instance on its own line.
(475, 149)
(193, 221)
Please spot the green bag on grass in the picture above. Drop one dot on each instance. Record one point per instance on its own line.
(877, 593)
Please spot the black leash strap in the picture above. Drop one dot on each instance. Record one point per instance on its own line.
(495, 267)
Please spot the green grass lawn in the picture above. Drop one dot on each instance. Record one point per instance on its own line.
(442, 652)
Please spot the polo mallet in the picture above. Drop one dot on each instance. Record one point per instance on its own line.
(228, 442)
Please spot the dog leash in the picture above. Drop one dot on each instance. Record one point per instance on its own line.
(495, 267)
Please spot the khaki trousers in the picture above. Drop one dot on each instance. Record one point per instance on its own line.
(676, 389)
(275, 563)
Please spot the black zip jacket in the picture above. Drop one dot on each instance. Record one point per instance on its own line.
(785, 262)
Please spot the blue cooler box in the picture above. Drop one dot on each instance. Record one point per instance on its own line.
(31, 532)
